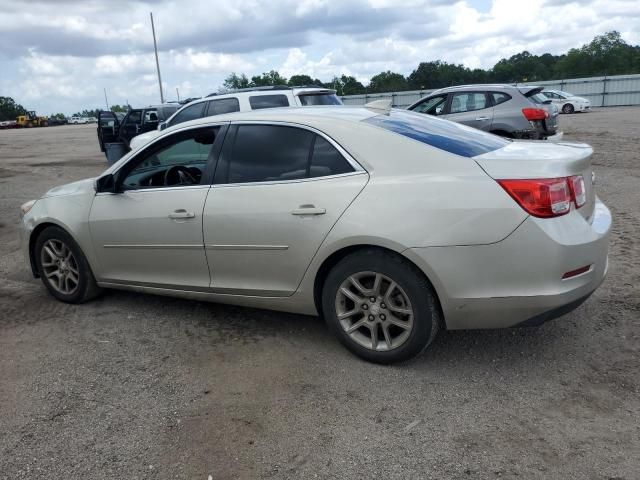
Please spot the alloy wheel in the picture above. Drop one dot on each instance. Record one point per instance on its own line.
(59, 266)
(374, 311)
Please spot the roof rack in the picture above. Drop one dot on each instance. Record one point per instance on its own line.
(267, 88)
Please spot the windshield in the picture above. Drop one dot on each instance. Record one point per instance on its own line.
(310, 99)
(449, 136)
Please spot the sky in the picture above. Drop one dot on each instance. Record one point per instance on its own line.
(60, 55)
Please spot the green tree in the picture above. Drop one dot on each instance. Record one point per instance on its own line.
(9, 109)
(235, 81)
(268, 79)
(346, 85)
(387, 82)
(60, 116)
(119, 108)
(299, 80)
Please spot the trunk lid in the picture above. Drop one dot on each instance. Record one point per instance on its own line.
(535, 160)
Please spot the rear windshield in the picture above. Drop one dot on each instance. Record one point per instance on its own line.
(319, 99)
(449, 136)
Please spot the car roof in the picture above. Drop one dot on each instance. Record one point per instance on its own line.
(485, 86)
(317, 115)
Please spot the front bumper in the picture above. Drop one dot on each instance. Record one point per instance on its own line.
(520, 278)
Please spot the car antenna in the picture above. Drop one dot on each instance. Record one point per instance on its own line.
(382, 106)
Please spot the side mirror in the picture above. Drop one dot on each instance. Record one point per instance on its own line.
(106, 183)
(162, 126)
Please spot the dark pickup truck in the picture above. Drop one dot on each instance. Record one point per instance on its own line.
(115, 129)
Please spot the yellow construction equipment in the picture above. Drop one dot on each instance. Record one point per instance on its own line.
(32, 120)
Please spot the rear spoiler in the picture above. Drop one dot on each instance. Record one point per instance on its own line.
(530, 91)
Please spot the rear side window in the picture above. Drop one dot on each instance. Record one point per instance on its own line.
(468, 102)
(499, 97)
(268, 153)
(326, 160)
(224, 105)
(188, 113)
(448, 136)
(268, 101)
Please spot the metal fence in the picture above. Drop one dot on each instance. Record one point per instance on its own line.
(602, 91)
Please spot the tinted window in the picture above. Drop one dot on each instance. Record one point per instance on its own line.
(224, 105)
(135, 117)
(467, 102)
(269, 153)
(327, 160)
(188, 113)
(268, 101)
(432, 106)
(319, 99)
(499, 97)
(449, 136)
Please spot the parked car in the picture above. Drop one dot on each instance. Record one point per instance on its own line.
(78, 120)
(245, 100)
(115, 129)
(56, 121)
(391, 224)
(506, 110)
(567, 102)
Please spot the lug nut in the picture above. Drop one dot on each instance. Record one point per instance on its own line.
(371, 317)
(382, 305)
(365, 307)
(383, 317)
(373, 299)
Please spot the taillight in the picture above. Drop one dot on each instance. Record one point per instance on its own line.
(547, 197)
(576, 183)
(535, 113)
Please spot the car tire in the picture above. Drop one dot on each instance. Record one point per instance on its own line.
(567, 108)
(63, 268)
(385, 294)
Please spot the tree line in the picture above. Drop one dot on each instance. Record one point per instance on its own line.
(606, 54)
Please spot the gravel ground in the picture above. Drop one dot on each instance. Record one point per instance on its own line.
(136, 386)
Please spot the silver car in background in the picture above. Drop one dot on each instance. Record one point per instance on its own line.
(390, 224)
(505, 110)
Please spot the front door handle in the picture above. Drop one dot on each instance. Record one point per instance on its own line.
(308, 210)
(482, 118)
(181, 214)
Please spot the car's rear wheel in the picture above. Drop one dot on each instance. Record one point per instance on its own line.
(63, 268)
(381, 307)
(568, 108)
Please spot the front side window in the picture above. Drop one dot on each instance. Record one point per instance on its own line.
(268, 101)
(432, 106)
(224, 105)
(468, 102)
(191, 112)
(270, 153)
(134, 117)
(178, 160)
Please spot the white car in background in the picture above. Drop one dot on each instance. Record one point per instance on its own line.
(567, 102)
(78, 120)
(243, 100)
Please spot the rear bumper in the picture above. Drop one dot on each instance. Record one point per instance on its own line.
(518, 281)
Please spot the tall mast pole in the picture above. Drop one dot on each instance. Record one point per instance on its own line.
(155, 48)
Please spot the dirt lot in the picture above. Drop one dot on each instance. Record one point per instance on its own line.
(134, 386)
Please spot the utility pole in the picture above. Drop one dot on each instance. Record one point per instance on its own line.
(105, 99)
(155, 48)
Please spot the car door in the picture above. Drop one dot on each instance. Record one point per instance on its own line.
(278, 191)
(148, 229)
(471, 108)
(130, 126)
(108, 128)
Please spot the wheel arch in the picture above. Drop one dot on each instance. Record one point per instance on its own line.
(336, 256)
(33, 236)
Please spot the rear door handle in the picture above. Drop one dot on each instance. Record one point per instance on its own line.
(181, 214)
(482, 118)
(308, 210)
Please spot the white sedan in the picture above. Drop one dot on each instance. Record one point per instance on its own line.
(391, 224)
(567, 102)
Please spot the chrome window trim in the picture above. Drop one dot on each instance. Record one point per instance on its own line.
(155, 189)
(296, 180)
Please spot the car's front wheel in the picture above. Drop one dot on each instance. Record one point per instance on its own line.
(381, 307)
(568, 108)
(63, 268)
